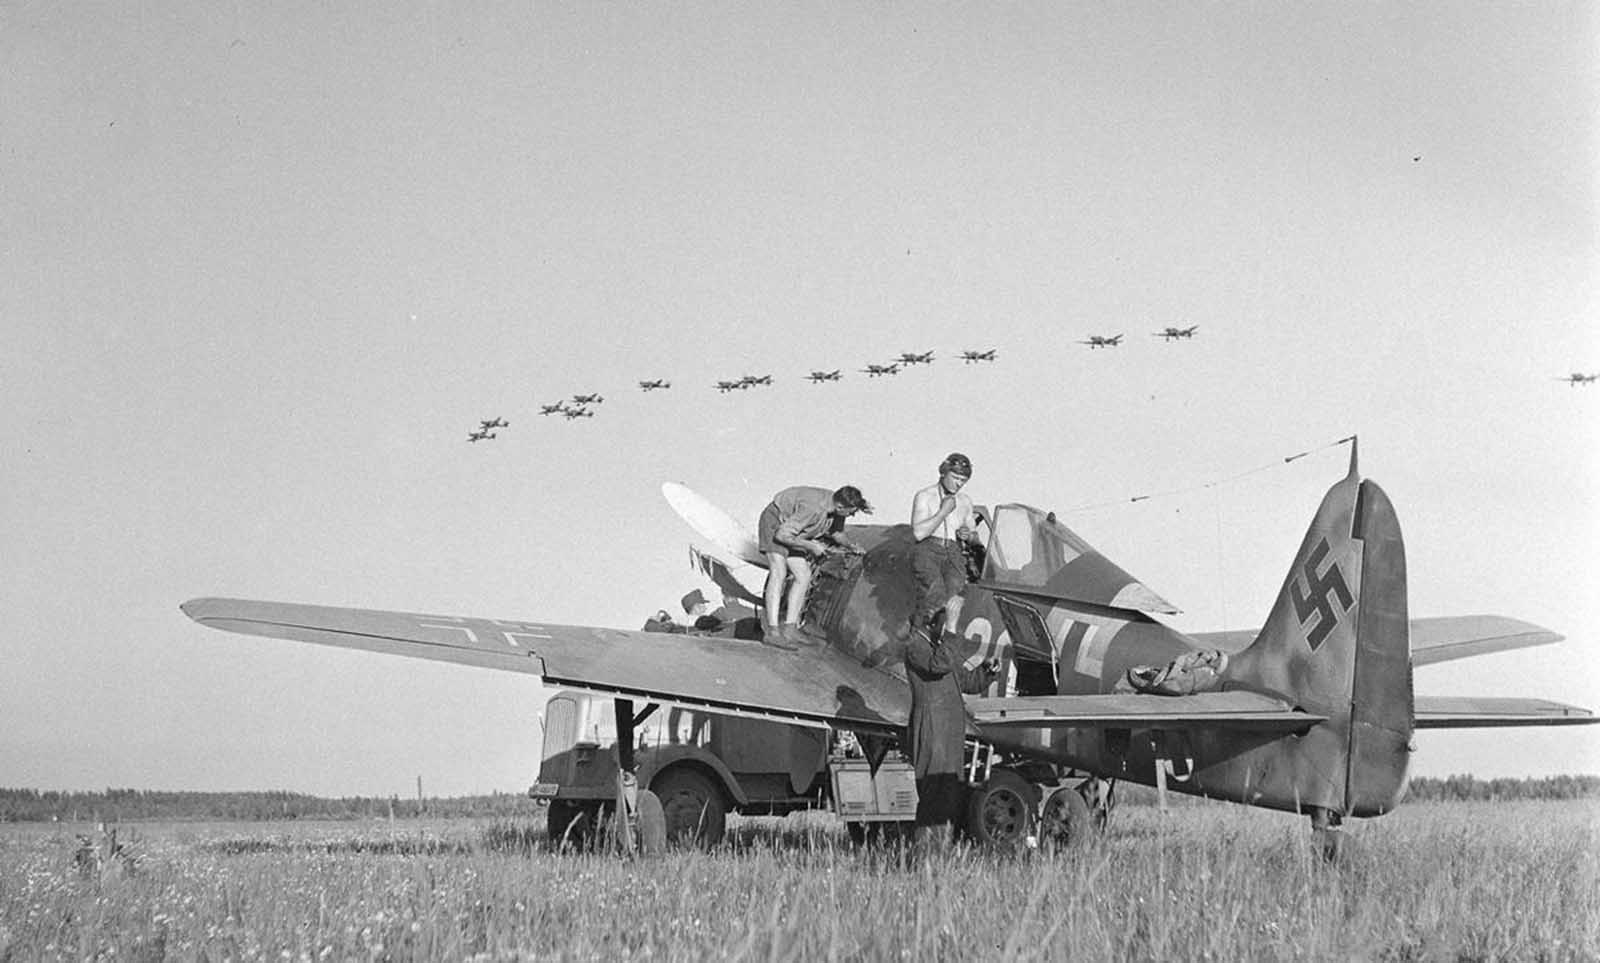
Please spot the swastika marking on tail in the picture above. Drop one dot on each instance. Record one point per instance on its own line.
(1314, 599)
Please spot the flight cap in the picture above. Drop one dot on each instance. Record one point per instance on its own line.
(958, 463)
(694, 598)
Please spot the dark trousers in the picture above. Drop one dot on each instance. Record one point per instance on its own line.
(941, 798)
(941, 574)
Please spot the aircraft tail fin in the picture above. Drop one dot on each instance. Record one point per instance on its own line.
(1337, 644)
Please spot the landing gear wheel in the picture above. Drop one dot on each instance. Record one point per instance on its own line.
(1066, 821)
(1000, 812)
(692, 806)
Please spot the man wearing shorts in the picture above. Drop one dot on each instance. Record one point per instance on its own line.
(799, 525)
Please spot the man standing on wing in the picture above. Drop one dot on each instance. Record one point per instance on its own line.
(941, 521)
(797, 527)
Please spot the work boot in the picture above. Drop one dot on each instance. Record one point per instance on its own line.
(801, 637)
(776, 637)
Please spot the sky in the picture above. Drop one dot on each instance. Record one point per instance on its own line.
(262, 268)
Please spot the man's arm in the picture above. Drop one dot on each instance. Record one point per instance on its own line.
(788, 535)
(928, 510)
(928, 657)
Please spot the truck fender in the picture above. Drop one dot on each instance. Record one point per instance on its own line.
(665, 757)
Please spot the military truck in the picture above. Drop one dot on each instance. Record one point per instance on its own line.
(705, 765)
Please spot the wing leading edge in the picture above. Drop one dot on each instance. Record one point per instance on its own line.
(1438, 639)
(1484, 712)
(812, 685)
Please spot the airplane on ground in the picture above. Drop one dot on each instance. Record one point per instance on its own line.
(555, 409)
(496, 423)
(910, 358)
(873, 370)
(485, 435)
(968, 357)
(1173, 334)
(727, 386)
(817, 377)
(1311, 714)
(1578, 378)
(579, 412)
(1101, 341)
(587, 399)
(751, 380)
(654, 385)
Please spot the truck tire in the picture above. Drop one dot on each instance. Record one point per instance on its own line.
(571, 824)
(1000, 812)
(694, 809)
(1066, 822)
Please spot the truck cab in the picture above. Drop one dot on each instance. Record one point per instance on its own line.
(704, 765)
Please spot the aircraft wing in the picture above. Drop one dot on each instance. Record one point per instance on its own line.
(817, 685)
(1432, 640)
(1236, 709)
(1479, 712)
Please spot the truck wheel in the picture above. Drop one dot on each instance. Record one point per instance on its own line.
(571, 823)
(1000, 812)
(693, 807)
(1066, 822)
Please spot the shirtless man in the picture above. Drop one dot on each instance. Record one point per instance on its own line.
(799, 525)
(941, 519)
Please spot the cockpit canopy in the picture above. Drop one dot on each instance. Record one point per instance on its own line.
(1030, 552)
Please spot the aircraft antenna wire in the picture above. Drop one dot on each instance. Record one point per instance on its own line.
(1210, 484)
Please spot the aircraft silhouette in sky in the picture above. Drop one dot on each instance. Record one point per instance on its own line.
(1101, 341)
(968, 357)
(817, 377)
(1173, 334)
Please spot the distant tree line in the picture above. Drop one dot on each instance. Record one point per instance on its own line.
(112, 805)
(33, 805)
(1464, 788)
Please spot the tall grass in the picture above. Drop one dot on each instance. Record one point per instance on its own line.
(1448, 881)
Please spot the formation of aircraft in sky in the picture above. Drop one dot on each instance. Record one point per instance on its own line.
(484, 435)
(581, 405)
(1102, 341)
(495, 423)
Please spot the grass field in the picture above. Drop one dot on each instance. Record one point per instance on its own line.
(1444, 881)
